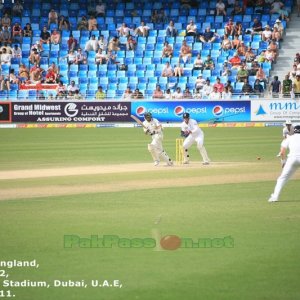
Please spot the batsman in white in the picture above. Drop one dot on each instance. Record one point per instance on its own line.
(192, 133)
(289, 165)
(154, 128)
(287, 130)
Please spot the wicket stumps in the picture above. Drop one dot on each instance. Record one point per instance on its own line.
(179, 151)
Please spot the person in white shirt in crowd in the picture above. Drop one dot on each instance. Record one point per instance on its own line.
(16, 52)
(102, 42)
(168, 94)
(207, 89)
(192, 133)
(123, 30)
(100, 57)
(221, 8)
(279, 26)
(290, 163)
(214, 95)
(100, 9)
(167, 70)
(191, 29)
(142, 30)
(92, 44)
(127, 95)
(200, 82)
(80, 57)
(177, 94)
(226, 95)
(72, 87)
(266, 35)
(5, 57)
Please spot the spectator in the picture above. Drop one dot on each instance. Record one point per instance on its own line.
(177, 94)
(200, 82)
(111, 58)
(208, 36)
(137, 94)
(27, 31)
(72, 87)
(241, 49)
(247, 88)
(167, 70)
(287, 87)
(296, 86)
(100, 58)
(6, 21)
(158, 93)
(242, 74)
(261, 57)
(198, 94)
(13, 79)
(61, 89)
(82, 23)
(127, 94)
(238, 28)
(77, 95)
(6, 34)
(71, 57)
(16, 52)
(270, 56)
(102, 42)
(50, 76)
(131, 43)
(229, 86)
(72, 43)
(187, 94)
(52, 17)
(275, 87)
(55, 37)
(167, 50)
(45, 36)
(123, 67)
(23, 73)
(38, 47)
(235, 61)
(219, 86)
(17, 33)
(156, 17)
(226, 43)
(277, 7)
(4, 83)
(249, 55)
(34, 57)
(100, 94)
(266, 35)
(17, 9)
(113, 44)
(178, 70)
(168, 95)
(207, 89)
(226, 69)
(36, 74)
(237, 9)
(64, 23)
(214, 95)
(198, 63)
(229, 28)
(191, 29)
(258, 88)
(274, 48)
(279, 27)
(226, 95)
(256, 27)
(209, 63)
(142, 30)
(185, 52)
(80, 58)
(100, 9)
(276, 35)
(5, 57)
(92, 23)
(91, 44)
(221, 8)
(171, 31)
(261, 76)
(124, 30)
(236, 42)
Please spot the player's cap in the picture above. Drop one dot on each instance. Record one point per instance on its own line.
(297, 129)
(186, 115)
(277, 21)
(148, 115)
(288, 122)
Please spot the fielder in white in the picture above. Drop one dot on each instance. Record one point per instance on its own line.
(192, 133)
(154, 128)
(287, 130)
(291, 164)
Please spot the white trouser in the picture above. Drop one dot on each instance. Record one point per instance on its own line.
(156, 148)
(199, 139)
(292, 164)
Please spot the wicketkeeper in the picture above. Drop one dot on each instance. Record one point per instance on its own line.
(192, 133)
(154, 128)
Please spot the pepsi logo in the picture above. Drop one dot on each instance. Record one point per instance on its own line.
(179, 111)
(140, 111)
(218, 110)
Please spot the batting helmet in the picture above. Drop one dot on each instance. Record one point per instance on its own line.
(148, 116)
(297, 129)
(186, 115)
(288, 122)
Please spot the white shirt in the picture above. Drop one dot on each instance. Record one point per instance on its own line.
(226, 96)
(207, 89)
(191, 126)
(220, 6)
(91, 45)
(293, 144)
(177, 95)
(214, 96)
(153, 125)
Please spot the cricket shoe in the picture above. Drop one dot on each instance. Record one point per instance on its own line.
(186, 162)
(170, 163)
(156, 163)
(272, 199)
(205, 163)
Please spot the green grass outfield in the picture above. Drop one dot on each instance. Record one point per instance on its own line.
(226, 199)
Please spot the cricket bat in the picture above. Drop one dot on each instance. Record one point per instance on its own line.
(138, 121)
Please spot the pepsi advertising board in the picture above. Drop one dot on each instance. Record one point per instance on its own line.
(208, 111)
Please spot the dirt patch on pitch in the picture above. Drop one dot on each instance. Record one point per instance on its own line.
(58, 190)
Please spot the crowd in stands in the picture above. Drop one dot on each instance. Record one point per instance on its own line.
(142, 49)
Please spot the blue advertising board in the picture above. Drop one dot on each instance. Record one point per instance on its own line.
(204, 111)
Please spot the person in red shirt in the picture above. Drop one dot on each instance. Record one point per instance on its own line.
(235, 61)
(219, 86)
(72, 43)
